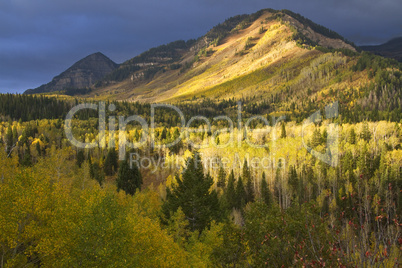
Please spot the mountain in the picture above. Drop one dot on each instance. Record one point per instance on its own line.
(273, 62)
(391, 49)
(80, 75)
(247, 56)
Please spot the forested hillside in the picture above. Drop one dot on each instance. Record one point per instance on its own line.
(80, 206)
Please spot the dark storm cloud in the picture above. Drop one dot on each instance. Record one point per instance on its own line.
(39, 39)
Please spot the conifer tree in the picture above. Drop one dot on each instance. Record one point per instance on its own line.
(265, 192)
(316, 139)
(230, 193)
(129, 179)
(80, 158)
(365, 134)
(26, 159)
(352, 136)
(240, 194)
(293, 182)
(9, 139)
(221, 178)
(15, 135)
(249, 184)
(192, 193)
(164, 134)
(91, 168)
(110, 165)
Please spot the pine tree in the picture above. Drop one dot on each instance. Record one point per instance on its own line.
(91, 168)
(9, 139)
(96, 172)
(362, 162)
(352, 136)
(230, 193)
(15, 135)
(249, 184)
(241, 195)
(365, 134)
(110, 165)
(316, 139)
(221, 178)
(129, 179)
(265, 192)
(80, 158)
(293, 182)
(192, 193)
(27, 159)
(164, 134)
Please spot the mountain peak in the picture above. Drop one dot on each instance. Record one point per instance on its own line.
(80, 75)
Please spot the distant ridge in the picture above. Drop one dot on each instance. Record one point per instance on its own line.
(80, 75)
(390, 49)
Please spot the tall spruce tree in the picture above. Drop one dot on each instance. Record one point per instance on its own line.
(265, 192)
(241, 194)
(249, 184)
(80, 158)
(230, 193)
(293, 182)
(110, 165)
(221, 178)
(192, 194)
(129, 179)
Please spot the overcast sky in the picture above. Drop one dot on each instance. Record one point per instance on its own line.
(41, 38)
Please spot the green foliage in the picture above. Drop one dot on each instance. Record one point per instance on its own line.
(365, 134)
(302, 40)
(80, 158)
(240, 194)
(249, 183)
(230, 192)
(369, 61)
(96, 172)
(352, 136)
(170, 51)
(221, 178)
(192, 194)
(9, 140)
(32, 107)
(221, 30)
(319, 212)
(111, 162)
(315, 27)
(129, 178)
(266, 195)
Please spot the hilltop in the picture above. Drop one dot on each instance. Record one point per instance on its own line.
(390, 49)
(80, 76)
